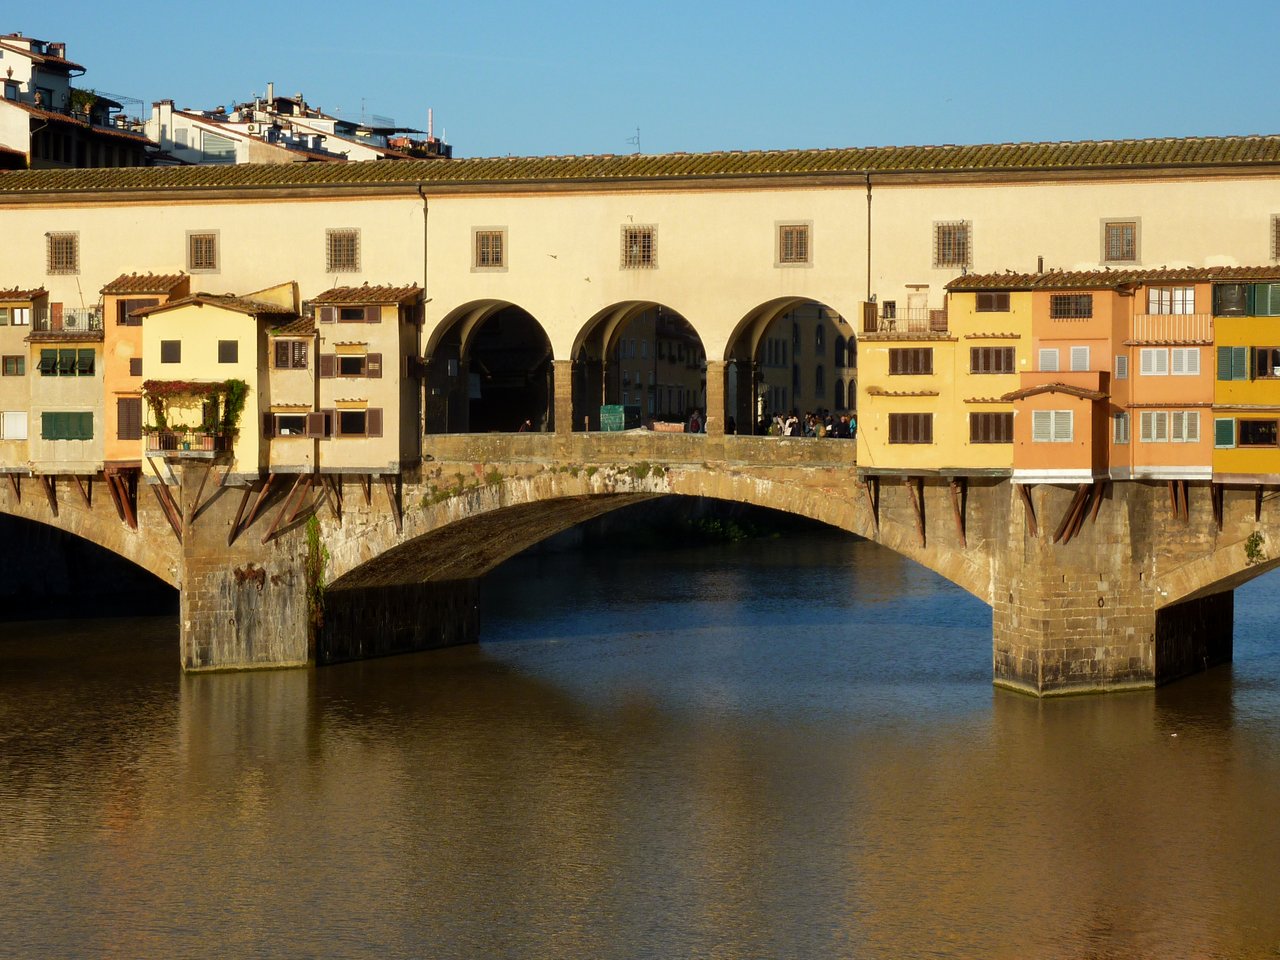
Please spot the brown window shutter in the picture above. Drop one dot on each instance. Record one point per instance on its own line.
(282, 354)
(328, 314)
(330, 422)
(927, 426)
(268, 425)
(373, 365)
(373, 422)
(317, 425)
(327, 364)
(129, 418)
(300, 354)
(55, 316)
(373, 314)
(135, 366)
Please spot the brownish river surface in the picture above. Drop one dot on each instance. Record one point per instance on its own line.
(779, 749)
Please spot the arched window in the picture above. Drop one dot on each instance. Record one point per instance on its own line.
(853, 394)
(839, 350)
(819, 382)
(839, 404)
(819, 339)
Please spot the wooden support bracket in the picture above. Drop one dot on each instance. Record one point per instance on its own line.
(333, 489)
(394, 498)
(1029, 509)
(16, 483)
(1068, 518)
(116, 494)
(257, 505)
(235, 524)
(172, 512)
(86, 492)
(1215, 496)
(1076, 520)
(300, 482)
(916, 486)
(959, 493)
(871, 487)
(1257, 504)
(1098, 489)
(50, 484)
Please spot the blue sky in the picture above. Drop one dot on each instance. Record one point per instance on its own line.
(558, 77)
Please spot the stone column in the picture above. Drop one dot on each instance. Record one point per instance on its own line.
(1083, 616)
(715, 398)
(562, 375)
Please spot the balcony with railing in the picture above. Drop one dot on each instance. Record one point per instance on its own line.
(1173, 328)
(70, 323)
(176, 443)
(911, 320)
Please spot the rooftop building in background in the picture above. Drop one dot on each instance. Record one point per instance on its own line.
(280, 129)
(45, 122)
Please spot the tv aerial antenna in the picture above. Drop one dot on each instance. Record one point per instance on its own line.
(635, 141)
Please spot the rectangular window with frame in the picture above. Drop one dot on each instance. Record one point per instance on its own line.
(290, 425)
(291, 354)
(991, 360)
(1184, 361)
(911, 428)
(952, 244)
(170, 351)
(13, 425)
(992, 301)
(63, 251)
(1184, 426)
(202, 251)
(66, 426)
(489, 249)
(129, 418)
(1257, 433)
(228, 351)
(1048, 359)
(1120, 428)
(1120, 241)
(125, 309)
(1233, 363)
(1154, 426)
(358, 423)
(991, 428)
(1071, 306)
(639, 247)
(13, 366)
(793, 244)
(1122, 367)
(1080, 359)
(135, 366)
(1266, 363)
(342, 251)
(1153, 362)
(1052, 426)
(910, 361)
(1171, 300)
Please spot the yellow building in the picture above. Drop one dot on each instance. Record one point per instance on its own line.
(17, 307)
(1246, 406)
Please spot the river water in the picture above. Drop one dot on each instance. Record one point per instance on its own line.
(784, 748)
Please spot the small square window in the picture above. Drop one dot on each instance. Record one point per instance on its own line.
(489, 249)
(952, 244)
(342, 251)
(1120, 241)
(170, 351)
(63, 252)
(793, 244)
(992, 301)
(639, 247)
(228, 351)
(135, 366)
(202, 252)
(14, 366)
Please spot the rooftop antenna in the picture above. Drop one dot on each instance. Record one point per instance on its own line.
(635, 141)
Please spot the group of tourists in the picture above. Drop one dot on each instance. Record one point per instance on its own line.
(823, 423)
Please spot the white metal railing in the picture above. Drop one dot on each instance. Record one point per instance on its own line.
(1163, 327)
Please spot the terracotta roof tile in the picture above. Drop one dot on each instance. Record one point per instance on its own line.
(257, 308)
(16, 295)
(302, 327)
(55, 117)
(368, 294)
(1081, 392)
(1094, 279)
(144, 283)
(1164, 153)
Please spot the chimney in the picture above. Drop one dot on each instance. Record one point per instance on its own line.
(1039, 264)
(271, 94)
(429, 123)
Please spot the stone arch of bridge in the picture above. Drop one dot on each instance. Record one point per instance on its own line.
(1229, 566)
(152, 548)
(467, 535)
(489, 368)
(638, 353)
(760, 382)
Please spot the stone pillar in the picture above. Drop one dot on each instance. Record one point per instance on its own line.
(1079, 616)
(715, 398)
(244, 605)
(562, 375)
(380, 621)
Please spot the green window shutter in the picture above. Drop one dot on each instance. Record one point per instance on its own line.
(1224, 433)
(1224, 363)
(49, 426)
(1239, 363)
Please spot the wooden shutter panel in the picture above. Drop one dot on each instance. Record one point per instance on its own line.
(1224, 432)
(373, 314)
(268, 425)
(282, 354)
(299, 357)
(327, 364)
(1224, 363)
(135, 366)
(328, 314)
(1040, 426)
(129, 418)
(317, 425)
(1239, 363)
(373, 365)
(55, 316)
(373, 422)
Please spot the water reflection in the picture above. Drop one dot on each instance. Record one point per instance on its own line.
(787, 749)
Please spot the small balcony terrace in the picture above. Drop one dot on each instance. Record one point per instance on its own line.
(73, 323)
(1173, 328)
(911, 320)
(176, 443)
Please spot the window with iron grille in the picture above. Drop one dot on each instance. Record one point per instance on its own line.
(991, 428)
(202, 252)
(911, 360)
(342, 251)
(991, 360)
(490, 249)
(952, 246)
(63, 252)
(793, 243)
(639, 247)
(1119, 241)
(911, 428)
(993, 301)
(1071, 306)
(291, 355)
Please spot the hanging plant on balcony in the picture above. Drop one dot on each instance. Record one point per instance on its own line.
(224, 402)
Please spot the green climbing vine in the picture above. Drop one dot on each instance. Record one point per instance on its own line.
(314, 568)
(1255, 549)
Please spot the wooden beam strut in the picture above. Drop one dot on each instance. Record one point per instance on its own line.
(1029, 509)
(958, 491)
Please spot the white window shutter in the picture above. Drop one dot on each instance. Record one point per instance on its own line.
(1079, 358)
(1178, 365)
(1122, 367)
(1161, 426)
(1041, 426)
(1192, 425)
(1148, 426)
(1192, 366)
(1048, 359)
(1177, 426)
(1146, 361)
(1062, 426)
